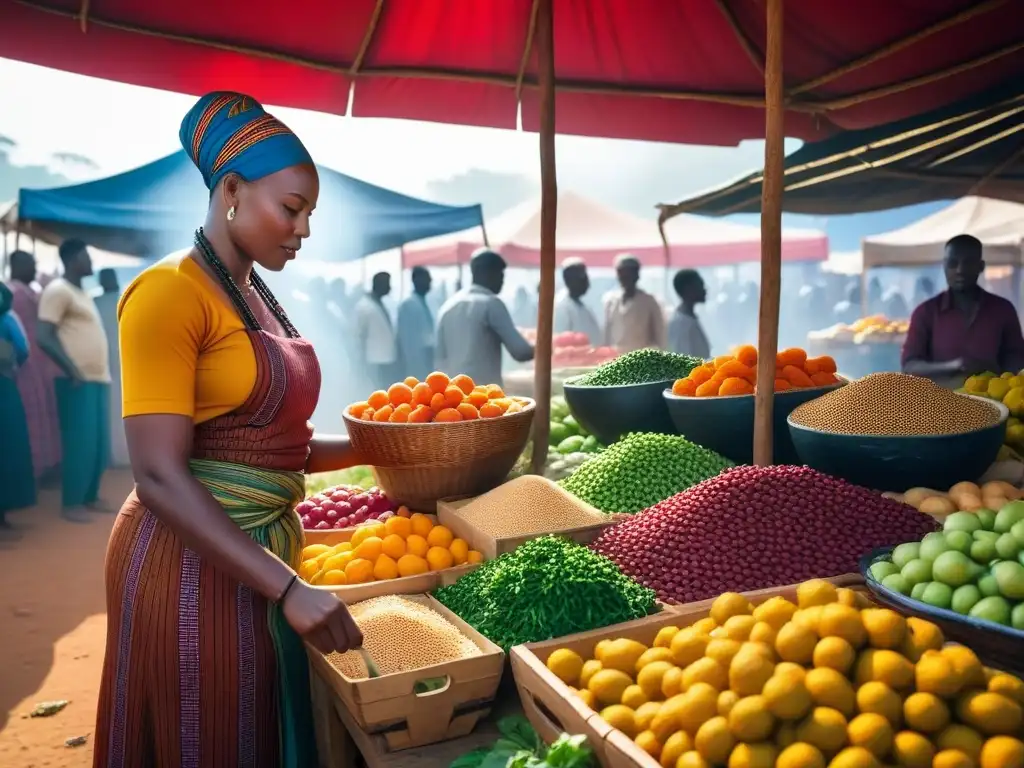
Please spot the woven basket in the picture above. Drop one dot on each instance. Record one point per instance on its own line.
(417, 464)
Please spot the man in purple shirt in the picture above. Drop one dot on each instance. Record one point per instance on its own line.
(964, 330)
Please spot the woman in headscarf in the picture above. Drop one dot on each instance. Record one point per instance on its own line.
(205, 664)
(17, 481)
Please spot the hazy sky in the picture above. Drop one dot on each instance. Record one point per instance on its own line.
(121, 126)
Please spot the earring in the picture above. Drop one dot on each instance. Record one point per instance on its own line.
(231, 213)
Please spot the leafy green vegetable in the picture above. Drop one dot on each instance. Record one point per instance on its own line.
(520, 747)
(548, 587)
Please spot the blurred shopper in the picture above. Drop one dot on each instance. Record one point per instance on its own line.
(17, 481)
(106, 305)
(571, 314)
(35, 378)
(375, 334)
(965, 329)
(685, 334)
(524, 308)
(474, 324)
(924, 289)
(632, 317)
(415, 329)
(71, 333)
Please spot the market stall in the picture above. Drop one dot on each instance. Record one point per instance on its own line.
(610, 626)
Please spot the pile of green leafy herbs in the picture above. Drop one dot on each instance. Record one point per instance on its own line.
(548, 587)
(520, 747)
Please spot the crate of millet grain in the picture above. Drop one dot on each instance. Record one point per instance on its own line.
(520, 510)
(438, 676)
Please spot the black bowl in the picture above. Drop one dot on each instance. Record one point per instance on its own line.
(888, 463)
(609, 413)
(726, 424)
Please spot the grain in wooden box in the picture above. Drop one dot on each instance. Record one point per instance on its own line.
(390, 706)
(550, 705)
(490, 546)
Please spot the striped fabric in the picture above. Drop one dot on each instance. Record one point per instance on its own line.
(225, 644)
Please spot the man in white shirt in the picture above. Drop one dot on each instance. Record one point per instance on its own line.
(106, 305)
(375, 334)
(571, 314)
(473, 325)
(71, 333)
(416, 328)
(633, 319)
(685, 334)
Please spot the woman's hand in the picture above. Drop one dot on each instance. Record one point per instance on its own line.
(321, 619)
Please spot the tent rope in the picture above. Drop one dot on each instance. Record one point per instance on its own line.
(364, 45)
(755, 56)
(83, 16)
(531, 31)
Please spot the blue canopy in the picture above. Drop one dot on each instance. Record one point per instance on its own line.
(154, 209)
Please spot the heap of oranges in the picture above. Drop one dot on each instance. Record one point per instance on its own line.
(400, 546)
(436, 399)
(736, 373)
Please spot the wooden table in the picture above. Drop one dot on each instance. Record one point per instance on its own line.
(342, 744)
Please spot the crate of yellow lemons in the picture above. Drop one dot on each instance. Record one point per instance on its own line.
(398, 547)
(1008, 389)
(828, 680)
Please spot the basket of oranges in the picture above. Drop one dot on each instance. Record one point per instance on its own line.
(438, 438)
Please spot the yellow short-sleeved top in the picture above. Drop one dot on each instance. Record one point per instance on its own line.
(184, 349)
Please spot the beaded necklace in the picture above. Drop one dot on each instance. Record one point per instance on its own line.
(229, 285)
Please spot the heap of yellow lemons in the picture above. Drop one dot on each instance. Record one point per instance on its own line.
(1008, 389)
(826, 681)
(401, 546)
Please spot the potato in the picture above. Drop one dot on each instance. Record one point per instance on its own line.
(937, 506)
(964, 487)
(915, 496)
(1000, 488)
(968, 502)
(892, 495)
(994, 502)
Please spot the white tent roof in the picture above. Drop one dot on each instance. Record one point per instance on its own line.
(997, 223)
(597, 233)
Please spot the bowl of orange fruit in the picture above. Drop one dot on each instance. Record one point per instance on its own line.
(714, 405)
(440, 437)
(395, 556)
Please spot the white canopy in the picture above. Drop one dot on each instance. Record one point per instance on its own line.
(997, 223)
(596, 233)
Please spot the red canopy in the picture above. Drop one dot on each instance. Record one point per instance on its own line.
(644, 69)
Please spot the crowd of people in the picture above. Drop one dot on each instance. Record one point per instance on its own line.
(59, 386)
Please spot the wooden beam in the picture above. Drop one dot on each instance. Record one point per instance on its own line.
(771, 236)
(545, 42)
(364, 45)
(898, 45)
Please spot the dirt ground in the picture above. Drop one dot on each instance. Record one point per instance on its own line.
(52, 629)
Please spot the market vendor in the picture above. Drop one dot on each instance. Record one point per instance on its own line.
(632, 317)
(965, 329)
(205, 662)
(571, 314)
(474, 324)
(685, 334)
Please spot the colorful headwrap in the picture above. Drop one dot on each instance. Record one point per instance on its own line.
(230, 132)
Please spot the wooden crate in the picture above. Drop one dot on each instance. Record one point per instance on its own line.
(389, 705)
(405, 585)
(551, 706)
(490, 547)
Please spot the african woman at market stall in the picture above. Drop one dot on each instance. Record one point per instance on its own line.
(205, 664)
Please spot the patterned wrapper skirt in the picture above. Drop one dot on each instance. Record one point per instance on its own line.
(200, 671)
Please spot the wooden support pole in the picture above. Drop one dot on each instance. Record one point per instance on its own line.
(771, 237)
(545, 44)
